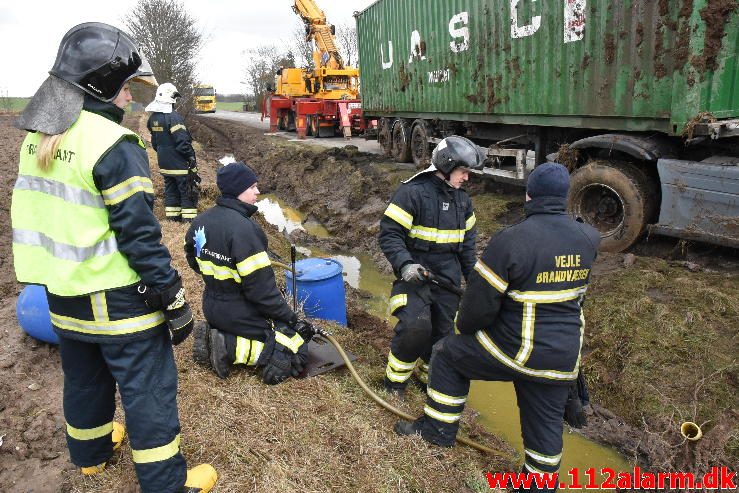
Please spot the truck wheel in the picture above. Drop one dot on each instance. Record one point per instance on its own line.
(420, 144)
(325, 131)
(402, 142)
(614, 197)
(200, 347)
(384, 138)
(290, 121)
(282, 122)
(309, 126)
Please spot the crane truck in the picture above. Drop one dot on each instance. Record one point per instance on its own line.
(321, 101)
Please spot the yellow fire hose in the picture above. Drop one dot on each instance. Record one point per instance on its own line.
(378, 399)
(280, 264)
(392, 409)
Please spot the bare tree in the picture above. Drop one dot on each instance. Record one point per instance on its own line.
(303, 48)
(346, 42)
(261, 67)
(171, 41)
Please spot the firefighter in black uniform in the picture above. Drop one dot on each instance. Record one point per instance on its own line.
(176, 157)
(520, 320)
(83, 226)
(429, 226)
(249, 322)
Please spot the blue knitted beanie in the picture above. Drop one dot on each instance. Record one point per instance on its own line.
(548, 180)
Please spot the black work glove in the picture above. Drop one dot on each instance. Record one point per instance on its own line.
(577, 398)
(193, 179)
(285, 354)
(180, 323)
(177, 312)
(305, 329)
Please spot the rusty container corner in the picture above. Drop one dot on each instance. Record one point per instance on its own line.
(628, 65)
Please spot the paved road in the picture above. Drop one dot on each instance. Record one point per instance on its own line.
(253, 120)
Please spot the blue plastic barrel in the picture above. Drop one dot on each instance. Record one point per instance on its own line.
(32, 310)
(320, 286)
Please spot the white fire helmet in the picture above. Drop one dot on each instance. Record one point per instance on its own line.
(166, 93)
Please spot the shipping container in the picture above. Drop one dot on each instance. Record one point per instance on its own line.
(620, 82)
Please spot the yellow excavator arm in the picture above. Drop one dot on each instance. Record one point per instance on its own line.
(318, 30)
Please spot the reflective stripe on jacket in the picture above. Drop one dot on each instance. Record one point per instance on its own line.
(119, 313)
(78, 259)
(523, 302)
(430, 223)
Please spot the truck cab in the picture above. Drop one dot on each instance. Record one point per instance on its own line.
(204, 98)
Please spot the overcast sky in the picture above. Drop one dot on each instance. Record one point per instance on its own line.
(30, 32)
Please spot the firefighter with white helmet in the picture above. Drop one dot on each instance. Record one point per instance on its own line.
(175, 155)
(84, 228)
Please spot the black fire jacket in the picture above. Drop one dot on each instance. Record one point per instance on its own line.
(230, 251)
(523, 302)
(172, 141)
(430, 223)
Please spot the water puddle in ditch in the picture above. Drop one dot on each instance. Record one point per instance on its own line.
(495, 401)
(286, 218)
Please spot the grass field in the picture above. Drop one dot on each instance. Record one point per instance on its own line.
(10, 104)
(229, 106)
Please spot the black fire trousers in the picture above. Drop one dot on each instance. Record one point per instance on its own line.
(425, 315)
(177, 202)
(146, 375)
(456, 360)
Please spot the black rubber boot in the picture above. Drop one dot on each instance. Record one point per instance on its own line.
(395, 389)
(407, 428)
(201, 344)
(419, 384)
(220, 359)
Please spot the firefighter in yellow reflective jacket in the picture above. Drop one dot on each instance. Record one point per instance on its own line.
(175, 155)
(249, 322)
(83, 226)
(428, 226)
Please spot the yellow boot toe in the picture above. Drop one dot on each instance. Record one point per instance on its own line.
(200, 479)
(119, 433)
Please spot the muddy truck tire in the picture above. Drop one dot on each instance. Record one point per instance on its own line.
(615, 197)
(200, 348)
(384, 137)
(402, 141)
(420, 144)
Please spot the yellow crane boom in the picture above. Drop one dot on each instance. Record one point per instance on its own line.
(318, 29)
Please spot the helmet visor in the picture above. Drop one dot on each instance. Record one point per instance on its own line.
(145, 74)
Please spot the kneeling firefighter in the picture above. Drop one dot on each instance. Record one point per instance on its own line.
(428, 226)
(175, 155)
(249, 322)
(521, 321)
(84, 227)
